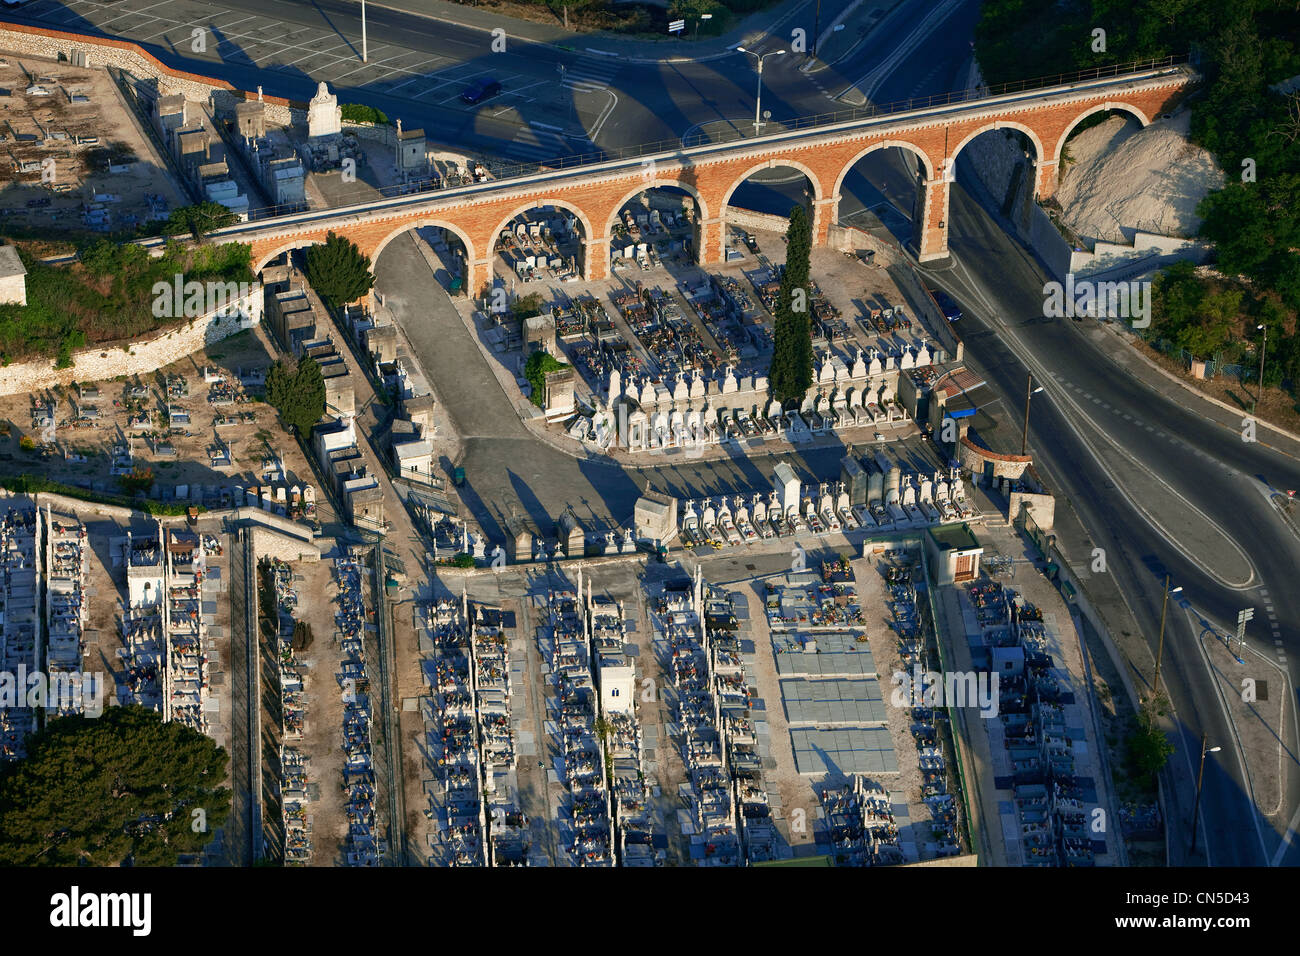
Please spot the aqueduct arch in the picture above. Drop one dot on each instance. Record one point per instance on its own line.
(712, 173)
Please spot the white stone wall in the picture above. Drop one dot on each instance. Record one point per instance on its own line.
(108, 361)
(13, 290)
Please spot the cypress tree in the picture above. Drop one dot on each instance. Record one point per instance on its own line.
(790, 375)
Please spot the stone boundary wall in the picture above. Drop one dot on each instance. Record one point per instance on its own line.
(1148, 251)
(110, 360)
(763, 221)
(269, 543)
(1048, 243)
(102, 52)
(923, 304)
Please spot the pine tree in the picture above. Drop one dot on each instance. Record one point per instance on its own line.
(122, 788)
(790, 375)
(297, 394)
(338, 271)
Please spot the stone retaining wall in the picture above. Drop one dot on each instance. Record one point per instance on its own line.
(104, 362)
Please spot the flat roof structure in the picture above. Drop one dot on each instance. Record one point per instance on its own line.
(843, 750)
(833, 701)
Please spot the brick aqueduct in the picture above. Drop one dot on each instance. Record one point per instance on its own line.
(594, 194)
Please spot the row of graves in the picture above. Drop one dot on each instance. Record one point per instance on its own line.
(890, 493)
(144, 649)
(900, 572)
(646, 238)
(294, 799)
(186, 677)
(622, 735)
(455, 794)
(363, 846)
(748, 738)
(288, 501)
(540, 250)
(1038, 735)
(493, 676)
(704, 401)
(682, 643)
(668, 338)
(732, 317)
(586, 821)
(859, 820)
(65, 613)
(19, 626)
(729, 520)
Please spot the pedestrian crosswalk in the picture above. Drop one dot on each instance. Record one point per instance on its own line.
(590, 74)
(537, 142)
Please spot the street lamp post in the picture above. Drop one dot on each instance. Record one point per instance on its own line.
(365, 52)
(817, 26)
(1030, 391)
(758, 103)
(1263, 349)
(1200, 777)
(1160, 647)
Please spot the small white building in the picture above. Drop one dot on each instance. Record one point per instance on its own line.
(617, 687)
(414, 459)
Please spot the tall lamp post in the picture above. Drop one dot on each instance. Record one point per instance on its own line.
(758, 104)
(1160, 647)
(365, 52)
(1030, 392)
(1263, 349)
(1200, 777)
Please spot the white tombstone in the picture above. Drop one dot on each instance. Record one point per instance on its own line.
(324, 115)
(860, 366)
(697, 387)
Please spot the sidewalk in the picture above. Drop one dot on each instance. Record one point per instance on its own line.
(774, 21)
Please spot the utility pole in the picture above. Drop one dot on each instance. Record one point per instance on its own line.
(1200, 778)
(1030, 392)
(1259, 395)
(1160, 647)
